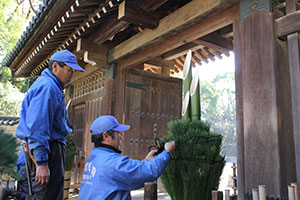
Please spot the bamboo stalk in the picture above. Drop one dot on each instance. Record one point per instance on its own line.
(195, 96)
(262, 192)
(227, 194)
(255, 194)
(291, 192)
(296, 190)
(187, 77)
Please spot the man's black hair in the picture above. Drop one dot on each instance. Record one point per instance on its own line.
(61, 64)
(98, 139)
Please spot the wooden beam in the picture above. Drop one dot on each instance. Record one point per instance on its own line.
(88, 45)
(158, 61)
(109, 29)
(288, 24)
(96, 52)
(191, 13)
(214, 41)
(133, 14)
(180, 51)
(189, 34)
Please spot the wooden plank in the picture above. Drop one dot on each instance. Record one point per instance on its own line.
(294, 68)
(189, 34)
(288, 24)
(133, 14)
(178, 20)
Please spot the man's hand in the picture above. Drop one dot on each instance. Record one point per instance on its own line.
(151, 154)
(170, 146)
(42, 174)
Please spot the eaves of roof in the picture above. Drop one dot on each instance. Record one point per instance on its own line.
(9, 121)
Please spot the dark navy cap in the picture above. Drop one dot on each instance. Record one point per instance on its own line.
(105, 123)
(68, 58)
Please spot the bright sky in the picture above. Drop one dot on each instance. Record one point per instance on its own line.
(210, 70)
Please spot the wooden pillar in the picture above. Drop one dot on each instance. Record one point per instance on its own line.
(264, 122)
(110, 84)
(294, 68)
(150, 191)
(216, 195)
(239, 106)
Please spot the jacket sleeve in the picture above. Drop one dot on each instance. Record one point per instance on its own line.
(39, 120)
(132, 174)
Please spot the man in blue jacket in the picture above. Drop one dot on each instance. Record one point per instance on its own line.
(110, 176)
(44, 124)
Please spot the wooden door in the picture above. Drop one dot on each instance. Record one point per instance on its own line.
(151, 101)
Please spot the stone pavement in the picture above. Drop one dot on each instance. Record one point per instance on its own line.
(139, 195)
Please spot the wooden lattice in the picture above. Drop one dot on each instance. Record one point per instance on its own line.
(89, 83)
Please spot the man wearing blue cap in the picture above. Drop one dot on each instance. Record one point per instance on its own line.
(44, 124)
(107, 174)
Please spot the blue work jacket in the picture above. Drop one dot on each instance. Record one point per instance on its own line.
(21, 159)
(44, 117)
(108, 175)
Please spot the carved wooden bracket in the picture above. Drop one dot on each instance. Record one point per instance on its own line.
(133, 14)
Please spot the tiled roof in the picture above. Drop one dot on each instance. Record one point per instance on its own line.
(44, 9)
(9, 121)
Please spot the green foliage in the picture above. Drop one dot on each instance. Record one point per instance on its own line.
(11, 26)
(218, 107)
(8, 151)
(10, 100)
(71, 151)
(196, 164)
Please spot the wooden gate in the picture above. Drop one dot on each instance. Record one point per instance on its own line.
(151, 101)
(288, 26)
(87, 105)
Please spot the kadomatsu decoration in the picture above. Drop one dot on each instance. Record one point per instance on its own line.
(196, 164)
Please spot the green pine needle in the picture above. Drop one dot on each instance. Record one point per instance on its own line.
(196, 164)
(71, 151)
(9, 153)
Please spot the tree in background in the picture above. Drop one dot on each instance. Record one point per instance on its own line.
(218, 108)
(14, 15)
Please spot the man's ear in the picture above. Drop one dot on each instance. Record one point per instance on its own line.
(54, 67)
(105, 135)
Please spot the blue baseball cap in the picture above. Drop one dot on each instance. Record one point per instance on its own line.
(68, 58)
(105, 123)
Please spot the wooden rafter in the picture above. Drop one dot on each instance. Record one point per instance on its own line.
(216, 42)
(179, 51)
(175, 21)
(200, 56)
(208, 26)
